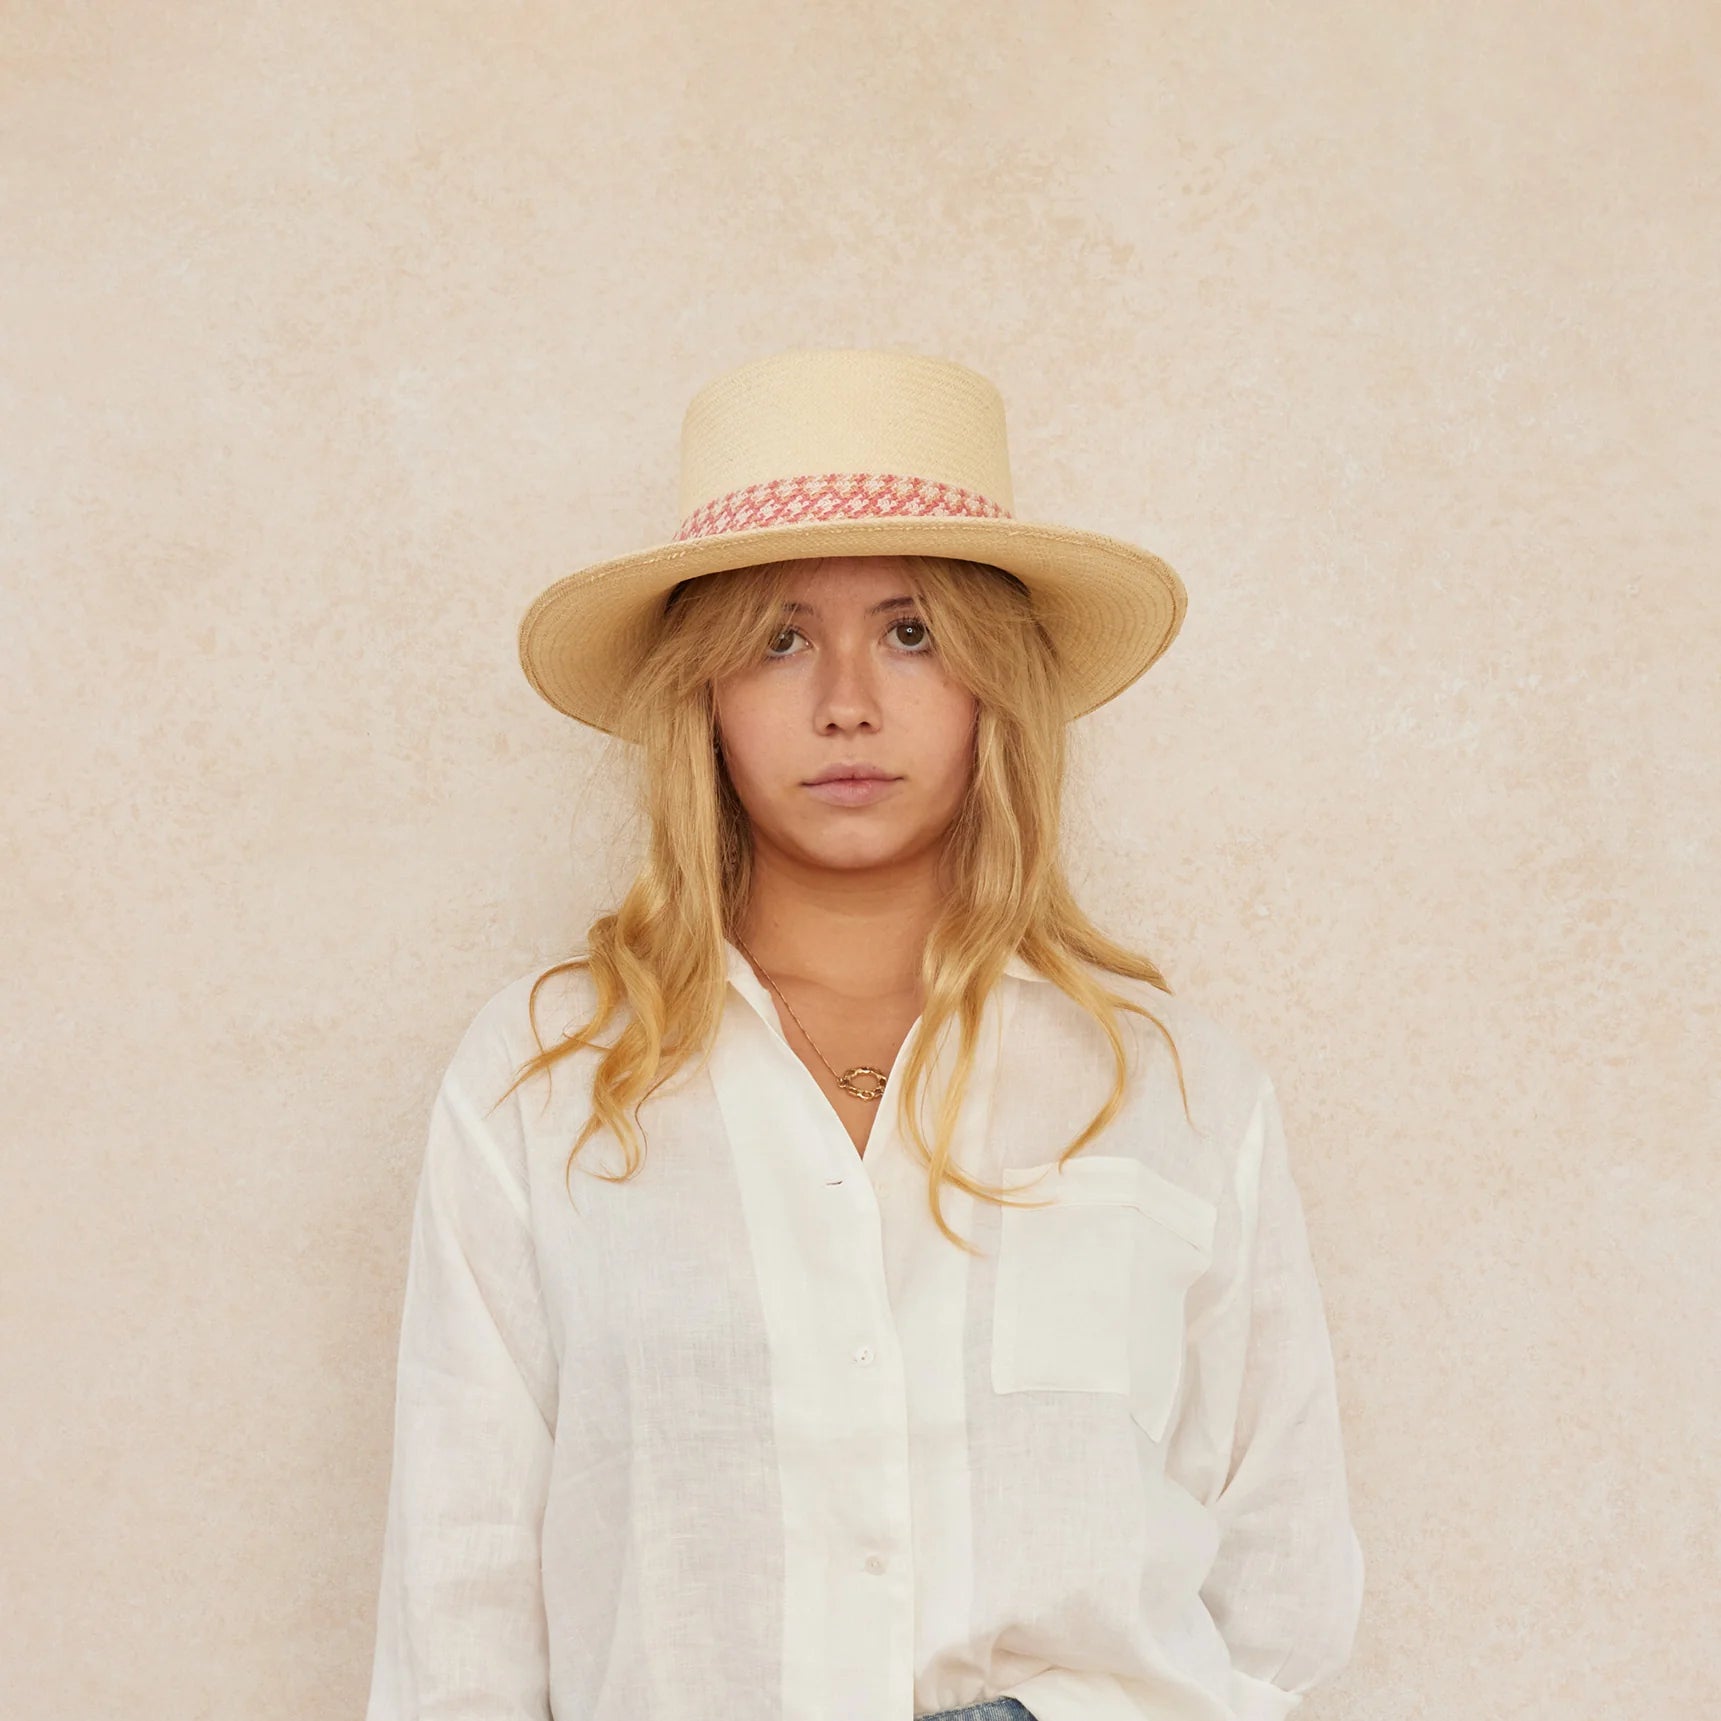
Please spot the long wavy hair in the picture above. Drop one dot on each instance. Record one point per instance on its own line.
(658, 962)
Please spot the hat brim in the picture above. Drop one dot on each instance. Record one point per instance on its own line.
(1111, 608)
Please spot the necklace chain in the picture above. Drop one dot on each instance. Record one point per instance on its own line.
(853, 1081)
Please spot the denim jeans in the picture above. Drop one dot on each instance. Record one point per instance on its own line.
(992, 1709)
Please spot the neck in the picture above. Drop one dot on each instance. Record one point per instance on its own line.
(860, 934)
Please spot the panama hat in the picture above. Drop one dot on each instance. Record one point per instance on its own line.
(850, 451)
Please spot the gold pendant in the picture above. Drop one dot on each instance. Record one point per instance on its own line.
(846, 1081)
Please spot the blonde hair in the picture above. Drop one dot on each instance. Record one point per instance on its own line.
(658, 959)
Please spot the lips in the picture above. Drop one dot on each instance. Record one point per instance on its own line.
(852, 774)
(852, 791)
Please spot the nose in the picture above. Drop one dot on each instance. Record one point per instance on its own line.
(848, 687)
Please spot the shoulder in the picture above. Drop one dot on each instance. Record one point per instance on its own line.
(1222, 1072)
(1224, 1051)
(529, 1012)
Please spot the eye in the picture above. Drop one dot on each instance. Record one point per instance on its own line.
(919, 649)
(914, 622)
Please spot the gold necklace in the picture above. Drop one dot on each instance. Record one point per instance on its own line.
(847, 1079)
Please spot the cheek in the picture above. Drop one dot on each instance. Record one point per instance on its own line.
(949, 738)
(755, 741)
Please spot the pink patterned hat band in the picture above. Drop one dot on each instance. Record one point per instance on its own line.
(835, 496)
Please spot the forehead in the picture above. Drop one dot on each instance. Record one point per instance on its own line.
(861, 576)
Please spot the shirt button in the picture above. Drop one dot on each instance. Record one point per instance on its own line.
(875, 1562)
(864, 1354)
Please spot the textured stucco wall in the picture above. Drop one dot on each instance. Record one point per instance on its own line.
(330, 332)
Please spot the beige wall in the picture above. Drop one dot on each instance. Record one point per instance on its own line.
(333, 331)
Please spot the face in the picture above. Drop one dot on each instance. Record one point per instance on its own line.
(854, 677)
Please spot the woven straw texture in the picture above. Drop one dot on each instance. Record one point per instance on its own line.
(850, 452)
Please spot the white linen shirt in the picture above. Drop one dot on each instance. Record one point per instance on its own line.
(747, 1439)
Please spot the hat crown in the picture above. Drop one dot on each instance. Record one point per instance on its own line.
(841, 433)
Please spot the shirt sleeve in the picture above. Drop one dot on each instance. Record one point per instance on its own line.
(1285, 1588)
(461, 1631)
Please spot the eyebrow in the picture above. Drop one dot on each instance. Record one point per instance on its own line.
(877, 609)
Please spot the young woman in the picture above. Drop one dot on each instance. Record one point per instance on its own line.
(879, 1296)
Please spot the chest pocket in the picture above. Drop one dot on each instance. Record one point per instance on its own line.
(1090, 1288)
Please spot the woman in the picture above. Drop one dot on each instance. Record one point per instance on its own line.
(883, 1298)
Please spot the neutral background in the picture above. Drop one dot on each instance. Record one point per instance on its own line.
(331, 332)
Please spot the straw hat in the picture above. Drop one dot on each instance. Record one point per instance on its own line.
(850, 451)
